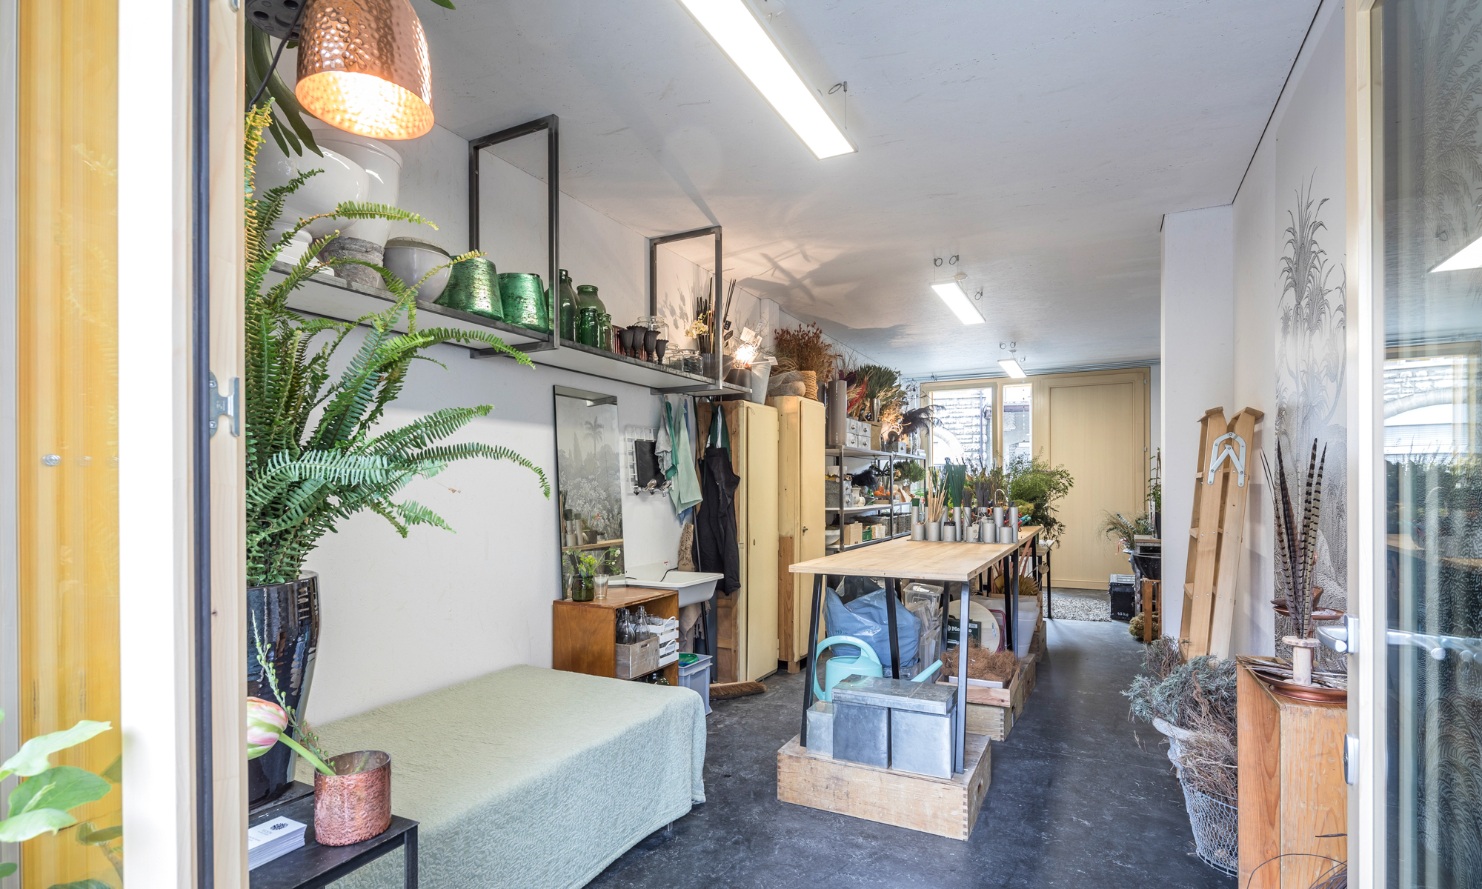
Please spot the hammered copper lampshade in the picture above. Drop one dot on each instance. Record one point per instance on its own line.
(363, 67)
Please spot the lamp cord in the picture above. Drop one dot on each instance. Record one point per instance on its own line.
(273, 65)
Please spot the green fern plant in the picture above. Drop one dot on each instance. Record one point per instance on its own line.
(315, 456)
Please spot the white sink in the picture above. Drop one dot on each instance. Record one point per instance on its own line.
(694, 586)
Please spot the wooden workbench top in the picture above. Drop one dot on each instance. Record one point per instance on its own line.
(917, 559)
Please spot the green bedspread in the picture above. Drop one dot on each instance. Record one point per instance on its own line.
(528, 777)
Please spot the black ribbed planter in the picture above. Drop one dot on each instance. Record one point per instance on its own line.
(285, 616)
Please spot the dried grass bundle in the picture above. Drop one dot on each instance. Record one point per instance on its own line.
(1161, 658)
(936, 502)
(805, 349)
(1028, 586)
(997, 666)
(1208, 759)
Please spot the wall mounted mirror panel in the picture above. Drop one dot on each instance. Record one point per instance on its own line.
(589, 479)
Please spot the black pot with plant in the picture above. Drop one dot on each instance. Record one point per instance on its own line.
(317, 450)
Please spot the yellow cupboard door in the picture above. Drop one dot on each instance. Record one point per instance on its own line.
(1097, 429)
(810, 499)
(759, 478)
(66, 424)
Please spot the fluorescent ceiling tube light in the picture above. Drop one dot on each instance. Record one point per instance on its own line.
(733, 26)
(956, 299)
(1468, 257)
(1011, 367)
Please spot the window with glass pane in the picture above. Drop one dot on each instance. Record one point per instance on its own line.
(1018, 402)
(1427, 121)
(67, 416)
(963, 426)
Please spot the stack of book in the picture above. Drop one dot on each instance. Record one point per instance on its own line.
(273, 839)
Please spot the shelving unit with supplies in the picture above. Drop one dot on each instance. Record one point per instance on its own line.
(837, 512)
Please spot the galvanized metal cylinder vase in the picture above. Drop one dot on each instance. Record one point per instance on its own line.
(837, 414)
(283, 618)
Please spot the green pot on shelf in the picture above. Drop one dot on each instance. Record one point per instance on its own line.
(473, 287)
(522, 295)
(583, 589)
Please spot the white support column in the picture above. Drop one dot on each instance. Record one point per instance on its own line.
(1198, 342)
(155, 521)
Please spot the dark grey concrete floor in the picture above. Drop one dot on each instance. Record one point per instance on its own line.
(1074, 801)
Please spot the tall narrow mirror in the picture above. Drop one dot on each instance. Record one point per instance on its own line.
(589, 481)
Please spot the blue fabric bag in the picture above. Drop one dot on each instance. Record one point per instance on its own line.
(865, 617)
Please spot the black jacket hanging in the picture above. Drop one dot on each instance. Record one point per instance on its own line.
(715, 523)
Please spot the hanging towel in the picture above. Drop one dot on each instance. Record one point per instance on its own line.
(677, 449)
(715, 523)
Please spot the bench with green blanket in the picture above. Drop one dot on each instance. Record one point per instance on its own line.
(528, 777)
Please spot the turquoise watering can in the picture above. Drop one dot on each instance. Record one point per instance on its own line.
(837, 669)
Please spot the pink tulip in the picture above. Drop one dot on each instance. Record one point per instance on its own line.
(265, 724)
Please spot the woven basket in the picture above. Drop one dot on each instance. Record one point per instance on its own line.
(1216, 825)
(810, 384)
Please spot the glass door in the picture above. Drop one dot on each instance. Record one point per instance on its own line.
(1424, 62)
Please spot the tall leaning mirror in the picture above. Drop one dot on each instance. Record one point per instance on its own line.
(589, 482)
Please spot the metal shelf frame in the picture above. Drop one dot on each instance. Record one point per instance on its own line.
(551, 126)
(838, 456)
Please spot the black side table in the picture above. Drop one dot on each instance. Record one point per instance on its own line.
(314, 865)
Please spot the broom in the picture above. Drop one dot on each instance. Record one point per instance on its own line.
(722, 691)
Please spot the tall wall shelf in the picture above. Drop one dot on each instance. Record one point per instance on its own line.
(551, 350)
(838, 457)
(326, 296)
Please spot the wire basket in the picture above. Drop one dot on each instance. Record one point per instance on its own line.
(1216, 829)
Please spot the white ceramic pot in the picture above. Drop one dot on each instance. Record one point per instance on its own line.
(382, 167)
(340, 179)
(409, 259)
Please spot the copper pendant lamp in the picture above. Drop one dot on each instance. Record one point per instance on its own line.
(363, 66)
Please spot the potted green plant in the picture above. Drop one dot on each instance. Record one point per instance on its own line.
(585, 566)
(318, 449)
(1035, 487)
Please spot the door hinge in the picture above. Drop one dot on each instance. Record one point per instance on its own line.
(1350, 760)
(225, 405)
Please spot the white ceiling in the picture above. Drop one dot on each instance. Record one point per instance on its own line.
(1039, 141)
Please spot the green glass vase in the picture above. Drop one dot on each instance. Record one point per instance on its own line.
(587, 326)
(473, 287)
(522, 294)
(567, 296)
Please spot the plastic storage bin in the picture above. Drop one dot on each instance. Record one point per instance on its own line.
(695, 674)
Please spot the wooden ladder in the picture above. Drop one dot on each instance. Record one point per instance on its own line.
(1217, 531)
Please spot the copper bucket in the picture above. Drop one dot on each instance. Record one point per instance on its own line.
(354, 804)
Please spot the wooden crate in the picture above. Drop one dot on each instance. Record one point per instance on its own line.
(941, 806)
(1293, 800)
(993, 711)
(638, 659)
(1037, 650)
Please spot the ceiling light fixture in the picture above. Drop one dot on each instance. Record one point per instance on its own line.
(1468, 257)
(1011, 365)
(957, 300)
(363, 66)
(736, 30)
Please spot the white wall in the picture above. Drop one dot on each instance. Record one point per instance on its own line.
(402, 617)
(1198, 295)
(1235, 366)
